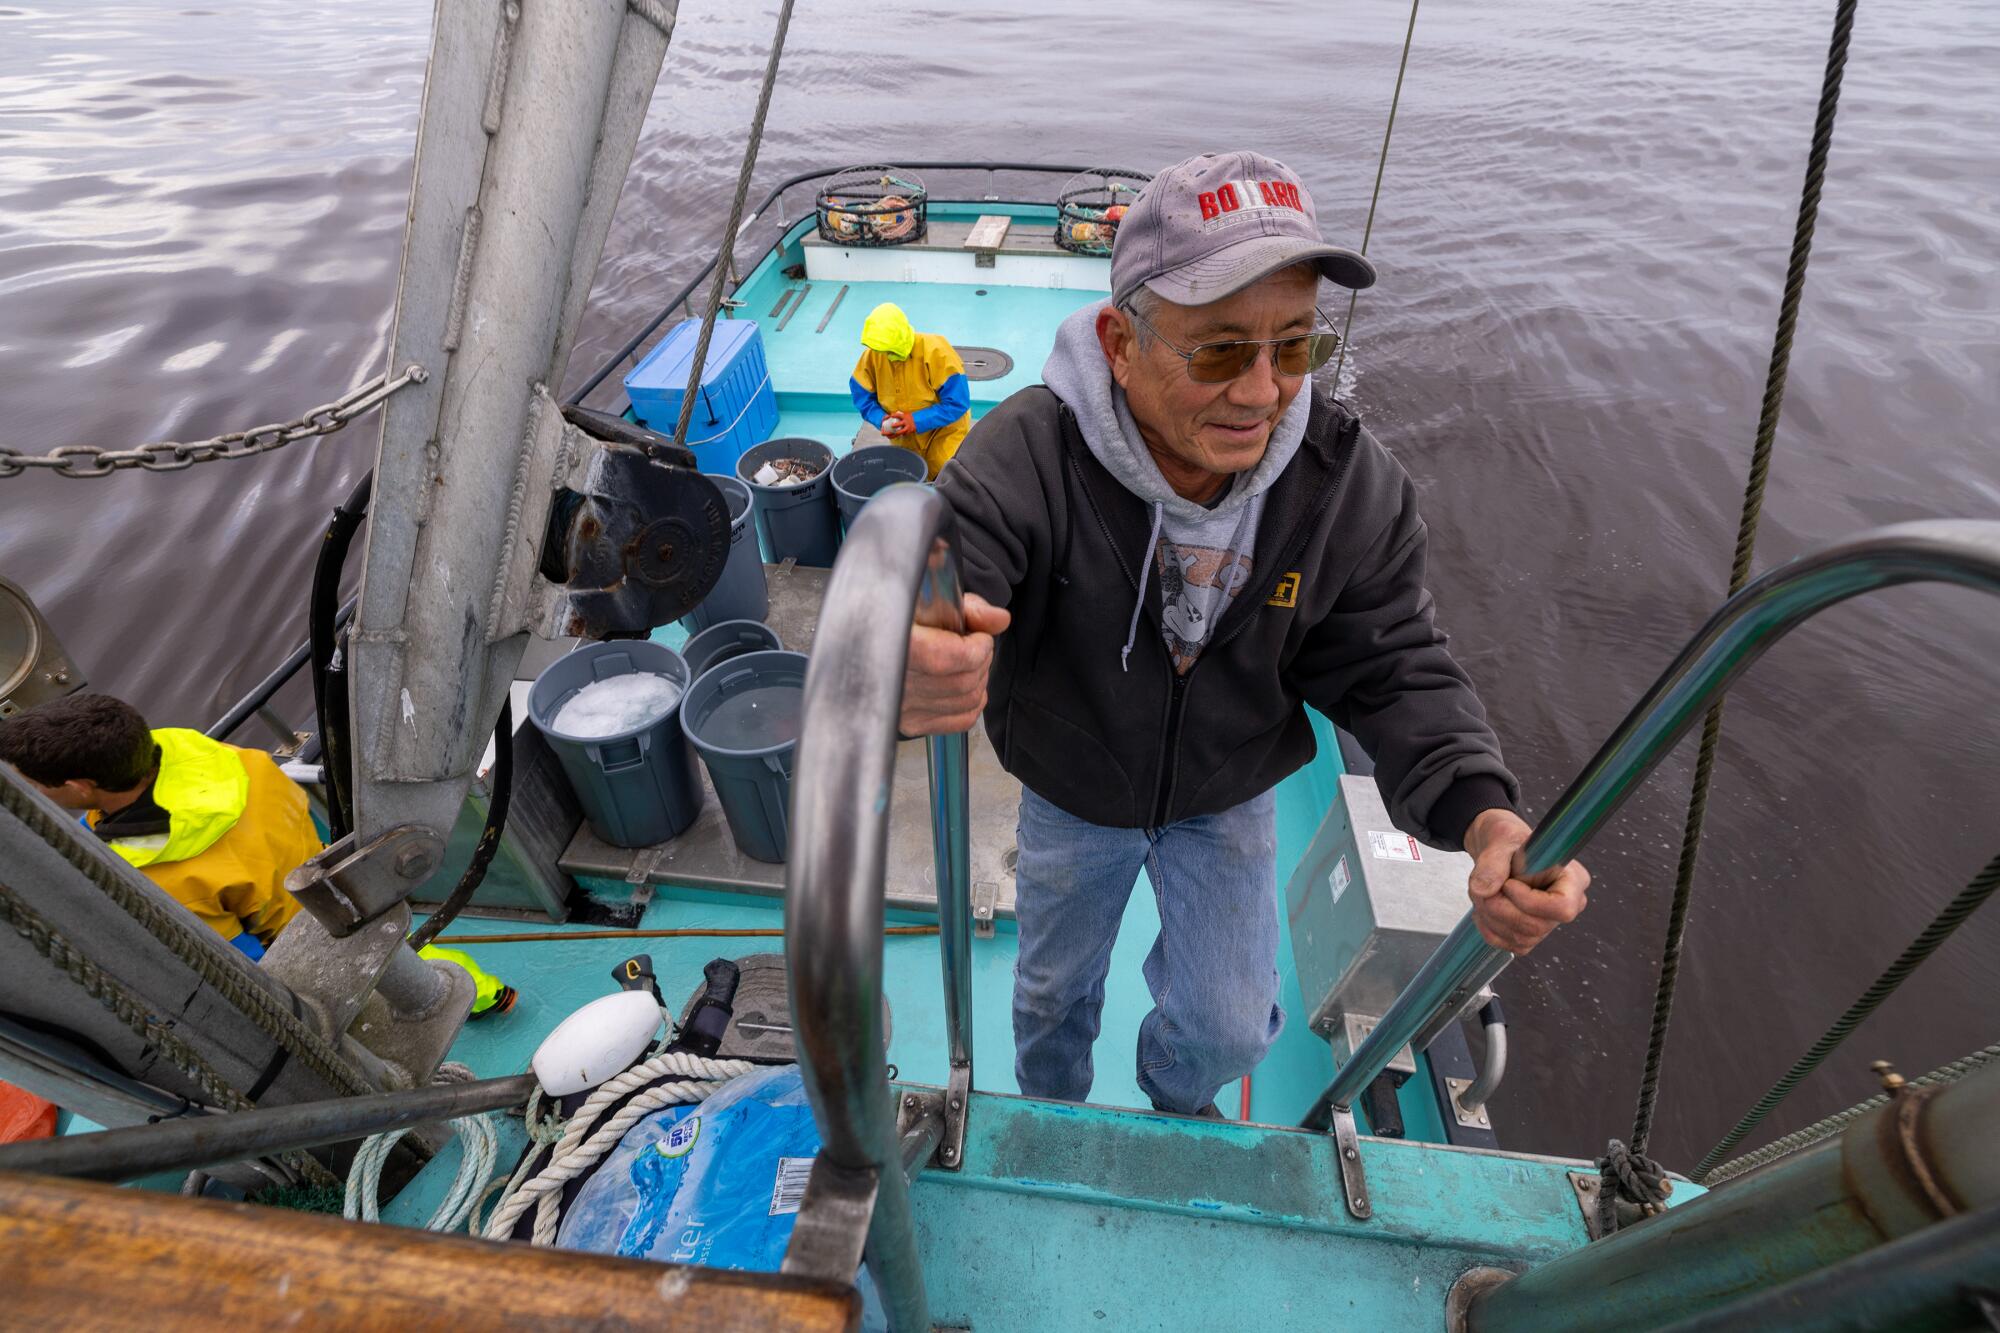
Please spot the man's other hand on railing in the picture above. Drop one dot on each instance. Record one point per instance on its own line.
(1512, 913)
(944, 688)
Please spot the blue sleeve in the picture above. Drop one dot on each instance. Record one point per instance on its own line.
(249, 946)
(954, 401)
(866, 403)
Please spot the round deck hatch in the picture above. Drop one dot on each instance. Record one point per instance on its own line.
(985, 363)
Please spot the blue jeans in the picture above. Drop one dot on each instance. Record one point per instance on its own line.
(1212, 970)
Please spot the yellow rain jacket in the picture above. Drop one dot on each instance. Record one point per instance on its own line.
(236, 826)
(901, 370)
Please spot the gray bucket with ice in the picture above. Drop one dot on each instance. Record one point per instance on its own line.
(731, 638)
(612, 714)
(864, 471)
(743, 716)
(740, 594)
(796, 516)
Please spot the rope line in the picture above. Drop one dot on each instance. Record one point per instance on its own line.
(722, 270)
(1739, 570)
(1381, 165)
(479, 1146)
(1821, 1130)
(584, 1142)
(1969, 899)
(176, 930)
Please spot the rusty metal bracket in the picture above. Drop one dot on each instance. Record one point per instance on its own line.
(1902, 1140)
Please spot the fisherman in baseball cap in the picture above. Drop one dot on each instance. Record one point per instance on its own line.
(1169, 548)
(1217, 223)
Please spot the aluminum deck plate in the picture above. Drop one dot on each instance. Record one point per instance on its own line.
(706, 856)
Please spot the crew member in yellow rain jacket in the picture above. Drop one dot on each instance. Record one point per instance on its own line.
(215, 827)
(911, 387)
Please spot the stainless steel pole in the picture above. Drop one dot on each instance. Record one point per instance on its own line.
(1904, 1169)
(204, 1140)
(941, 603)
(898, 556)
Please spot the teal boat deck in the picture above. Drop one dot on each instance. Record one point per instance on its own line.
(1068, 1216)
(1107, 1214)
(557, 978)
(810, 365)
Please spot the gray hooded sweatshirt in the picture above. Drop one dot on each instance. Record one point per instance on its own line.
(1201, 553)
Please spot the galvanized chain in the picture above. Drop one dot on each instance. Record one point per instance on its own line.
(89, 460)
(130, 1010)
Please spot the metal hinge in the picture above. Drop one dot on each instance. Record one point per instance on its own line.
(1353, 1176)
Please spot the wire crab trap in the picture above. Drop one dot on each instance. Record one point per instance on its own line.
(872, 206)
(1091, 205)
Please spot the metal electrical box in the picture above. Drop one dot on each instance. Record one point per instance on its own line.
(1367, 904)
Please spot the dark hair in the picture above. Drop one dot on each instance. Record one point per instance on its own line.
(90, 736)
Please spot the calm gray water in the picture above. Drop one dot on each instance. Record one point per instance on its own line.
(1582, 236)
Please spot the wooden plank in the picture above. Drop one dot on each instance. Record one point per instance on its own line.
(81, 1256)
(989, 233)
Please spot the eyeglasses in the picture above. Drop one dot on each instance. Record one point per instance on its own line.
(1219, 363)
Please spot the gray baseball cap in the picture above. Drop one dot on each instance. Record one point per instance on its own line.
(1214, 224)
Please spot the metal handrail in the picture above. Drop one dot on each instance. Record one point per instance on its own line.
(1961, 551)
(898, 555)
(618, 358)
(260, 693)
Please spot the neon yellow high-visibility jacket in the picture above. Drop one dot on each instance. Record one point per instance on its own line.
(487, 986)
(219, 830)
(929, 383)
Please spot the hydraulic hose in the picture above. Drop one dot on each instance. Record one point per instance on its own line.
(330, 703)
(489, 837)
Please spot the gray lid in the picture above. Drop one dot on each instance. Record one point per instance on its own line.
(1214, 224)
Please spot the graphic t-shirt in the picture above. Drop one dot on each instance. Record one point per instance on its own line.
(1202, 565)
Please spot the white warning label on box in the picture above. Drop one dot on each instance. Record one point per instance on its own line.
(1394, 846)
(1340, 877)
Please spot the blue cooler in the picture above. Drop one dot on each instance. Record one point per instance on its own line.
(737, 407)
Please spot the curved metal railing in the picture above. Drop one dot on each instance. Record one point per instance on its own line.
(898, 555)
(1958, 551)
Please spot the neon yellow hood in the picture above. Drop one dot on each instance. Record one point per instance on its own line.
(887, 329)
(203, 789)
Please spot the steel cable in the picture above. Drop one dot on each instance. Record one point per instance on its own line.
(1739, 570)
(1381, 165)
(722, 270)
(1820, 1130)
(1968, 901)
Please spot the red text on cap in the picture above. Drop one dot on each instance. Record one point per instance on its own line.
(1232, 196)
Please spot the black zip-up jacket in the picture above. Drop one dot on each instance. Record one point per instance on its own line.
(1337, 616)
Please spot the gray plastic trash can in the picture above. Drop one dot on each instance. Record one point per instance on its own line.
(858, 475)
(740, 594)
(638, 787)
(743, 717)
(731, 638)
(798, 522)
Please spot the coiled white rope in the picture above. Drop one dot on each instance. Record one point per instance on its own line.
(479, 1146)
(583, 1142)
